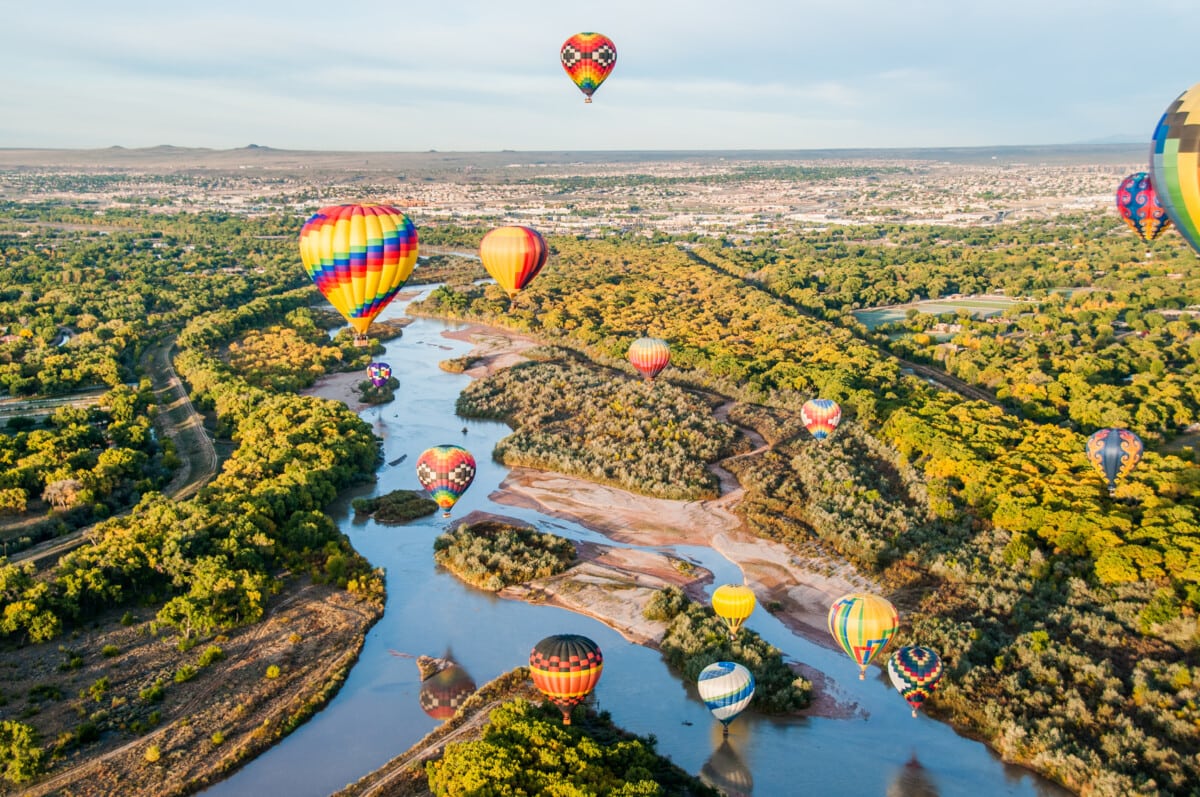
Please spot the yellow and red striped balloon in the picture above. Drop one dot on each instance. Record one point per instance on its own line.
(820, 417)
(862, 625)
(649, 356)
(513, 256)
(566, 668)
(589, 59)
(359, 256)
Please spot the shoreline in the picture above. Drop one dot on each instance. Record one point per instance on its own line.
(799, 590)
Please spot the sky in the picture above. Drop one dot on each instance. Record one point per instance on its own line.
(484, 75)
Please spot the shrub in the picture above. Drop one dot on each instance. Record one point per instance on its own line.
(185, 673)
(211, 654)
(108, 651)
(152, 754)
(273, 671)
(492, 555)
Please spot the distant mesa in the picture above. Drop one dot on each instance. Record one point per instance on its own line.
(255, 146)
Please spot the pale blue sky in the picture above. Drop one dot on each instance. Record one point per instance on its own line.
(484, 74)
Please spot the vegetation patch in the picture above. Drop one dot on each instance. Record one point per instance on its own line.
(492, 555)
(397, 506)
(525, 749)
(696, 637)
(578, 418)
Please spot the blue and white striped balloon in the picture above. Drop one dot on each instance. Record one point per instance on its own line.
(726, 688)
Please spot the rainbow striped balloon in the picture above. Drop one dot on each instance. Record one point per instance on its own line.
(513, 256)
(820, 417)
(566, 668)
(1175, 164)
(359, 256)
(649, 356)
(589, 59)
(863, 625)
(446, 472)
(726, 687)
(379, 373)
(915, 672)
(1139, 207)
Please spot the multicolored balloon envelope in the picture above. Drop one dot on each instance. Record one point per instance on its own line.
(358, 256)
(863, 625)
(513, 256)
(566, 668)
(649, 356)
(733, 603)
(446, 472)
(1139, 207)
(443, 692)
(379, 373)
(589, 59)
(820, 417)
(915, 672)
(726, 687)
(1175, 164)
(1114, 452)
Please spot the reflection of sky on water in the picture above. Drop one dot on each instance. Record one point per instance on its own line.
(378, 712)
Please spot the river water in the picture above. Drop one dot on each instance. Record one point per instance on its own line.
(378, 713)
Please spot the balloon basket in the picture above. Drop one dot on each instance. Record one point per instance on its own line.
(362, 341)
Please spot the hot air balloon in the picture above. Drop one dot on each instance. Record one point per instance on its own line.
(379, 373)
(649, 356)
(1114, 452)
(1175, 164)
(513, 256)
(820, 417)
(726, 688)
(733, 603)
(566, 668)
(589, 58)
(862, 624)
(443, 692)
(1140, 208)
(915, 672)
(446, 472)
(359, 256)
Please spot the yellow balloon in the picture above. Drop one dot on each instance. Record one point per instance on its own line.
(733, 603)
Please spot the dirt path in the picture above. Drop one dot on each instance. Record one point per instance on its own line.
(178, 420)
(731, 489)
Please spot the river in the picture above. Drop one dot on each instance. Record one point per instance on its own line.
(378, 714)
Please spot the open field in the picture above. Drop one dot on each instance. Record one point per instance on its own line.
(977, 306)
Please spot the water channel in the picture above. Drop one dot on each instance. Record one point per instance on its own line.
(378, 714)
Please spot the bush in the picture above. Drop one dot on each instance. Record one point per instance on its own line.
(185, 673)
(211, 654)
(152, 754)
(273, 671)
(108, 651)
(492, 555)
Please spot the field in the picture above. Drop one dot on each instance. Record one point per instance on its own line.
(976, 306)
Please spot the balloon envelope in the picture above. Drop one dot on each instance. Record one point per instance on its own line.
(379, 373)
(1114, 452)
(733, 603)
(358, 256)
(726, 687)
(566, 668)
(446, 472)
(589, 59)
(513, 256)
(443, 692)
(915, 672)
(862, 625)
(1139, 207)
(1175, 164)
(649, 356)
(820, 417)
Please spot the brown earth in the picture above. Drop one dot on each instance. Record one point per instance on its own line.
(208, 725)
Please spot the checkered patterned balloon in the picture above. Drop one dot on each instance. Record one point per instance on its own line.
(589, 58)
(443, 692)
(1175, 164)
(566, 668)
(446, 472)
(915, 672)
(379, 373)
(1139, 207)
